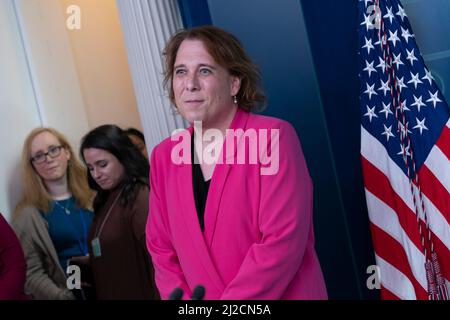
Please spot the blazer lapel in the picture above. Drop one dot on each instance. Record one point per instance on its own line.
(220, 174)
(189, 214)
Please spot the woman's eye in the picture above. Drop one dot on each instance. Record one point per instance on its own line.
(103, 164)
(180, 71)
(205, 71)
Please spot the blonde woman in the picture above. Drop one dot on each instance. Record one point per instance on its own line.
(52, 220)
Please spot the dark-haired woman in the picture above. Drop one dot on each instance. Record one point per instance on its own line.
(121, 265)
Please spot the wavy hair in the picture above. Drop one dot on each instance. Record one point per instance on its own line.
(228, 52)
(34, 191)
(114, 140)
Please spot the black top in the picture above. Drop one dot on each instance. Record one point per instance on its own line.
(201, 186)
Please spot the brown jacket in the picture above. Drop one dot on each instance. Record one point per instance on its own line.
(46, 279)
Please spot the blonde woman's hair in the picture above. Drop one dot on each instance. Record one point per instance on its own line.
(34, 191)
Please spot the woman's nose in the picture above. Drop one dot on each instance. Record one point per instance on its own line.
(192, 82)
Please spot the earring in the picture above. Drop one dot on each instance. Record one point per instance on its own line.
(235, 100)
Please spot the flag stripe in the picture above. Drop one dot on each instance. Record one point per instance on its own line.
(395, 281)
(387, 295)
(435, 192)
(390, 250)
(444, 141)
(386, 219)
(372, 149)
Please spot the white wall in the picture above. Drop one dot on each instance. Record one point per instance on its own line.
(18, 109)
(101, 63)
(51, 76)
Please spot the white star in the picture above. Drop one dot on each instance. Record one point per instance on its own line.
(420, 125)
(387, 132)
(428, 76)
(393, 37)
(404, 151)
(403, 106)
(401, 84)
(401, 13)
(406, 34)
(418, 102)
(369, 68)
(411, 57)
(403, 130)
(370, 113)
(386, 110)
(368, 45)
(367, 22)
(389, 15)
(415, 79)
(434, 98)
(365, 2)
(384, 86)
(370, 90)
(382, 64)
(382, 41)
(397, 60)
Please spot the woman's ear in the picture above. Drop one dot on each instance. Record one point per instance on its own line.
(235, 85)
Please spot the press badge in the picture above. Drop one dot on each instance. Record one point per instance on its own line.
(96, 250)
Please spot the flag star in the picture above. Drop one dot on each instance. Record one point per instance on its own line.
(404, 129)
(369, 68)
(401, 13)
(411, 57)
(428, 76)
(389, 15)
(415, 79)
(387, 132)
(382, 64)
(382, 41)
(370, 113)
(386, 110)
(365, 2)
(368, 45)
(384, 86)
(367, 22)
(418, 102)
(434, 98)
(401, 84)
(420, 125)
(393, 37)
(403, 106)
(406, 34)
(370, 90)
(404, 151)
(397, 60)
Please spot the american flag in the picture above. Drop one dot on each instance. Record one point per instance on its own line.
(405, 151)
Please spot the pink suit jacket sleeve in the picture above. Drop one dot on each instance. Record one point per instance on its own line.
(168, 273)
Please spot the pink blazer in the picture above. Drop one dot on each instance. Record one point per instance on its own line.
(258, 241)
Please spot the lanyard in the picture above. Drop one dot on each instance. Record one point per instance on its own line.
(99, 231)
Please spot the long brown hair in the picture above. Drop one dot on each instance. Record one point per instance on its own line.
(34, 191)
(228, 52)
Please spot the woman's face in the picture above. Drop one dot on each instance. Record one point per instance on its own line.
(202, 88)
(53, 166)
(104, 168)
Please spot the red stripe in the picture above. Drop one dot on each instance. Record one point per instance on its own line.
(378, 184)
(387, 295)
(392, 251)
(444, 142)
(435, 191)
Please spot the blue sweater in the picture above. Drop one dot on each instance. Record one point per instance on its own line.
(68, 226)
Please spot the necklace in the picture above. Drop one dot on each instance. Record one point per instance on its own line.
(67, 211)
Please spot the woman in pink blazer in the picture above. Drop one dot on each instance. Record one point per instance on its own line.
(231, 196)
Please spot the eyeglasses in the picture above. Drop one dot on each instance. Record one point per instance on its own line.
(52, 152)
